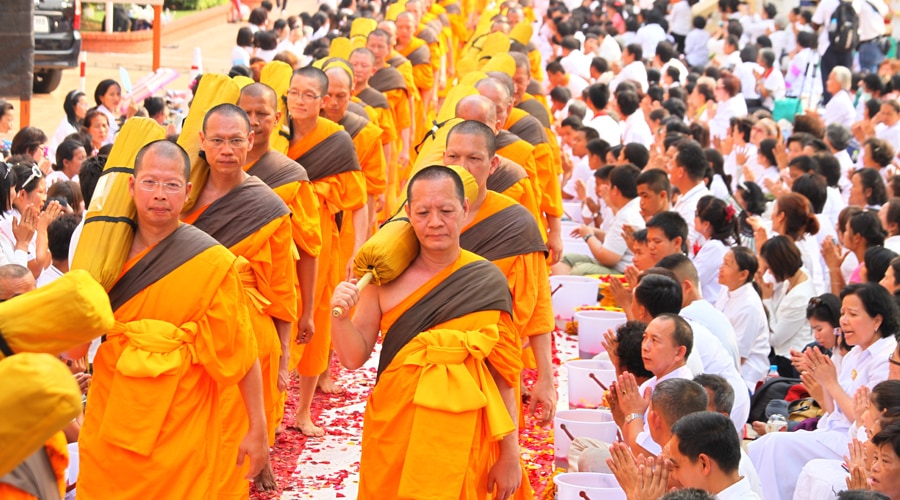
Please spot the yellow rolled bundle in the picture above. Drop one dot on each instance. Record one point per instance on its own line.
(277, 75)
(213, 90)
(71, 311)
(39, 398)
(109, 221)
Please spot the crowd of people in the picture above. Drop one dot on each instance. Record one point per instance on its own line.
(739, 167)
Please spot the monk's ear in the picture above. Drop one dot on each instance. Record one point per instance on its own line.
(131, 182)
(495, 162)
(406, 207)
(250, 138)
(187, 189)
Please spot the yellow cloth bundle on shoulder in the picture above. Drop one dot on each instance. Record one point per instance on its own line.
(39, 398)
(277, 75)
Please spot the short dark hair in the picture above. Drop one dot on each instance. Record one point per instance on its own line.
(88, 176)
(628, 102)
(683, 334)
(598, 147)
(624, 179)
(867, 224)
(656, 180)
(168, 150)
(877, 260)
(636, 50)
(675, 398)
(472, 127)
(723, 393)
(871, 179)
(783, 257)
(66, 151)
(628, 349)
(746, 261)
(637, 154)
(711, 434)
(437, 172)
(316, 74)
(59, 234)
(691, 158)
(890, 435)
(230, 110)
(598, 93)
(672, 225)
(102, 88)
(876, 300)
(658, 294)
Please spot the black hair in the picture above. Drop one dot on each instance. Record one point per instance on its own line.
(813, 187)
(783, 257)
(59, 234)
(88, 176)
(628, 102)
(438, 172)
(102, 88)
(8, 180)
(711, 434)
(66, 151)
(746, 261)
(871, 180)
(690, 157)
(69, 104)
(637, 154)
(867, 224)
(672, 225)
(829, 168)
(628, 350)
(876, 301)
(721, 217)
(659, 294)
(877, 260)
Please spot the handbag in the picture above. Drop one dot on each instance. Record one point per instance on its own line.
(803, 409)
(786, 108)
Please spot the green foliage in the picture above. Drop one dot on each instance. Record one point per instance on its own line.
(178, 5)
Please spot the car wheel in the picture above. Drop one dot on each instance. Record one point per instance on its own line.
(46, 80)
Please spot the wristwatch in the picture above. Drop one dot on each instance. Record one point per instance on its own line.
(633, 416)
(588, 236)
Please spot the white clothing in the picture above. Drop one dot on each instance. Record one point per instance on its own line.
(650, 35)
(607, 127)
(703, 312)
(811, 252)
(718, 188)
(775, 86)
(266, 55)
(840, 109)
(822, 17)
(615, 242)
(754, 27)
(732, 60)
(783, 42)
(821, 478)
(635, 129)
(736, 171)
(686, 206)
(56, 176)
(787, 317)
(577, 63)
(73, 242)
(748, 472)
(682, 71)
(746, 73)
(643, 439)
(113, 124)
(830, 212)
(780, 456)
(871, 19)
(6, 229)
(62, 131)
(609, 49)
(725, 111)
(576, 85)
(49, 275)
(708, 261)
(803, 76)
(744, 309)
(635, 72)
(891, 135)
(893, 244)
(740, 490)
(581, 171)
(8, 252)
(680, 18)
(240, 56)
(696, 51)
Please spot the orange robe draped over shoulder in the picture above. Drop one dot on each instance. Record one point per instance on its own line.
(58, 455)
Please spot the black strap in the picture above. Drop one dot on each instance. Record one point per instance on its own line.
(4, 347)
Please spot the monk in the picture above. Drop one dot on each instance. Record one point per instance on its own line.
(524, 100)
(376, 104)
(435, 424)
(540, 161)
(399, 62)
(291, 183)
(182, 335)
(327, 152)
(262, 239)
(419, 54)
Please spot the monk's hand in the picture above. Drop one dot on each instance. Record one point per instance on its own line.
(555, 245)
(403, 159)
(254, 447)
(544, 393)
(84, 381)
(505, 476)
(306, 328)
(345, 296)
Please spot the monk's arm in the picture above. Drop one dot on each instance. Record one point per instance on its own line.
(554, 238)
(403, 159)
(354, 340)
(360, 226)
(306, 275)
(255, 444)
(544, 389)
(507, 471)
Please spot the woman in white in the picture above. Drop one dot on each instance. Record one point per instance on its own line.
(869, 322)
(861, 231)
(786, 300)
(803, 78)
(731, 104)
(30, 194)
(69, 157)
(742, 304)
(793, 216)
(716, 223)
(75, 106)
(13, 240)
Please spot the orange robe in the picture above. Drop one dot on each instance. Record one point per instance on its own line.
(405, 67)
(153, 427)
(58, 455)
(547, 162)
(338, 188)
(433, 420)
(524, 192)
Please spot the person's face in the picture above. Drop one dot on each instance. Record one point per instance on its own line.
(262, 116)
(37, 197)
(894, 364)
(720, 92)
(112, 98)
(859, 328)
(13, 287)
(795, 149)
(436, 214)
(339, 96)
(71, 167)
(857, 191)
(888, 115)
(661, 246)
(658, 349)
(565, 133)
(379, 46)
(730, 275)
(832, 85)
(304, 99)
(405, 29)
(159, 190)
(6, 121)
(362, 68)
(521, 79)
(642, 259)
(886, 471)
(777, 219)
(579, 143)
(590, 45)
(651, 203)
(627, 57)
(601, 189)
(502, 103)
(682, 472)
(470, 152)
(81, 107)
(99, 129)
(823, 332)
(889, 282)
(226, 142)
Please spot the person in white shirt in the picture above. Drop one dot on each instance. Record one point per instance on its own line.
(802, 77)
(769, 81)
(609, 48)
(840, 107)
(716, 224)
(651, 33)
(612, 255)
(634, 126)
(831, 56)
(573, 60)
(731, 104)
(69, 156)
(633, 70)
(558, 77)
(686, 173)
(887, 123)
(666, 57)
(696, 51)
(605, 125)
(76, 106)
(679, 19)
(787, 299)
(872, 14)
(581, 170)
(747, 71)
(732, 53)
(705, 453)
(59, 234)
(869, 318)
(889, 214)
(14, 242)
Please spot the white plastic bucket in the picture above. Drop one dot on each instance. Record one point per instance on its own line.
(591, 327)
(573, 210)
(585, 377)
(566, 227)
(571, 424)
(570, 292)
(576, 246)
(587, 485)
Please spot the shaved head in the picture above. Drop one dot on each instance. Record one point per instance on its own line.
(493, 90)
(478, 108)
(14, 281)
(164, 149)
(341, 73)
(262, 90)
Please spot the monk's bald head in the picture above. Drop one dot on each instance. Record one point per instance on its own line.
(478, 108)
(261, 90)
(340, 73)
(493, 90)
(14, 281)
(163, 149)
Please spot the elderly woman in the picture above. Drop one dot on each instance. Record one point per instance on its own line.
(840, 108)
(731, 104)
(769, 83)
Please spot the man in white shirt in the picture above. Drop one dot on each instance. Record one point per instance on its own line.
(633, 70)
(705, 453)
(558, 77)
(573, 60)
(769, 81)
(686, 173)
(59, 233)
(634, 126)
(581, 170)
(609, 48)
(746, 72)
(667, 57)
(831, 56)
(605, 125)
(872, 14)
(651, 33)
(679, 18)
(889, 116)
(732, 52)
(696, 50)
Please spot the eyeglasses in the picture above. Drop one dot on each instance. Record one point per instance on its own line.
(152, 186)
(305, 96)
(235, 143)
(35, 174)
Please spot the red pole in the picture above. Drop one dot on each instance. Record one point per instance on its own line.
(157, 34)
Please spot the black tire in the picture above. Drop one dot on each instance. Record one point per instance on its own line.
(46, 80)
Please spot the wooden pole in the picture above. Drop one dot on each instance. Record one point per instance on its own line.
(24, 113)
(157, 34)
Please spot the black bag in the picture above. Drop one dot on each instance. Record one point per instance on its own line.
(843, 28)
(774, 388)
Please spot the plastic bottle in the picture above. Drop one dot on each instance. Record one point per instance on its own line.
(773, 372)
(776, 423)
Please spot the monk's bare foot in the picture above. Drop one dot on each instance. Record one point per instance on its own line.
(265, 480)
(307, 428)
(327, 385)
(759, 427)
(279, 430)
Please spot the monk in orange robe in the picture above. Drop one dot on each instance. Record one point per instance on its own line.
(377, 106)
(504, 232)
(154, 424)
(435, 425)
(417, 51)
(291, 183)
(327, 152)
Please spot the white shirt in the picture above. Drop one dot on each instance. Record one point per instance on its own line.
(871, 19)
(803, 76)
(715, 360)
(581, 170)
(746, 73)
(811, 252)
(834, 203)
(682, 71)
(725, 111)
(240, 56)
(775, 86)
(891, 135)
(576, 85)
(607, 127)
(680, 18)
(635, 129)
(703, 312)
(740, 490)
(49, 275)
(650, 35)
(686, 206)
(643, 439)
(8, 252)
(744, 309)
(609, 49)
(56, 176)
(822, 17)
(893, 244)
(708, 261)
(840, 109)
(787, 317)
(629, 214)
(696, 52)
(635, 72)
(62, 131)
(577, 63)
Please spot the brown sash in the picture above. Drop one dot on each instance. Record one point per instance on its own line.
(358, 110)
(505, 138)
(387, 79)
(529, 129)
(332, 156)
(275, 169)
(453, 8)
(445, 302)
(511, 231)
(397, 60)
(422, 55)
(34, 476)
(373, 98)
(445, 21)
(168, 255)
(534, 87)
(506, 175)
(241, 212)
(427, 35)
(534, 108)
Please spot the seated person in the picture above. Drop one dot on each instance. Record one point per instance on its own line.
(667, 233)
